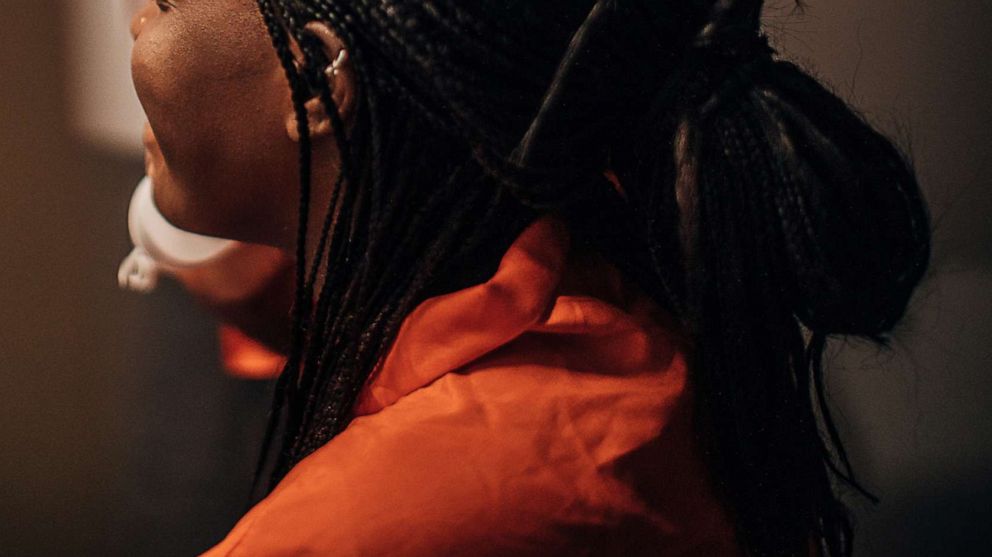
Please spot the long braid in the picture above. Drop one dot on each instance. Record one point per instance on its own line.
(325, 397)
(287, 379)
(797, 226)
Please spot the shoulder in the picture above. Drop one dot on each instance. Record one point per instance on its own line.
(464, 466)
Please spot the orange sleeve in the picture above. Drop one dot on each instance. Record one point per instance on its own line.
(435, 474)
(492, 463)
(245, 358)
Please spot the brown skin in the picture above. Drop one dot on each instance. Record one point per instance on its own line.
(222, 149)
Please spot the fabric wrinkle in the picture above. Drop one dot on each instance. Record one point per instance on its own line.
(545, 412)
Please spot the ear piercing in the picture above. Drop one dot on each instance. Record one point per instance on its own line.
(332, 70)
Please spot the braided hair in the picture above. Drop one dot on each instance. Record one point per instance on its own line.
(756, 206)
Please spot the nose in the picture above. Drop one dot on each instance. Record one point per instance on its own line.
(141, 17)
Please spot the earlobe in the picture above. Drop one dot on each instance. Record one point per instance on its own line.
(317, 121)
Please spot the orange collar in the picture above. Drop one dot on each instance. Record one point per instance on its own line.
(541, 285)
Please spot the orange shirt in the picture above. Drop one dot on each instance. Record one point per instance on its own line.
(543, 412)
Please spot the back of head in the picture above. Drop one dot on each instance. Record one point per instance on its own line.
(755, 204)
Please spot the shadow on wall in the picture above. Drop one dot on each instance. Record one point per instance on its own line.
(121, 437)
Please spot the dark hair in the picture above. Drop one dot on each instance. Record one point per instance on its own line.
(756, 206)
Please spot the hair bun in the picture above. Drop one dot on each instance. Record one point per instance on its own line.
(852, 208)
(833, 210)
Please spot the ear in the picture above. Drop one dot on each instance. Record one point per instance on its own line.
(343, 83)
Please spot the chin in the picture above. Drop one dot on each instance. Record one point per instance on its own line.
(184, 211)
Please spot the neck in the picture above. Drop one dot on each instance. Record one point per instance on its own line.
(325, 171)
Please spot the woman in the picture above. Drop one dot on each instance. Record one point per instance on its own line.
(564, 270)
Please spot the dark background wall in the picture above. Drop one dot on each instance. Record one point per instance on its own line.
(118, 433)
(119, 436)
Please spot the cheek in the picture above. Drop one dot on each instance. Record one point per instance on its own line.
(217, 102)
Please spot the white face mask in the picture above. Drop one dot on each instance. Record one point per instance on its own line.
(161, 247)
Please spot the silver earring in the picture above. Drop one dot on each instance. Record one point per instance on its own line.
(332, 70)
